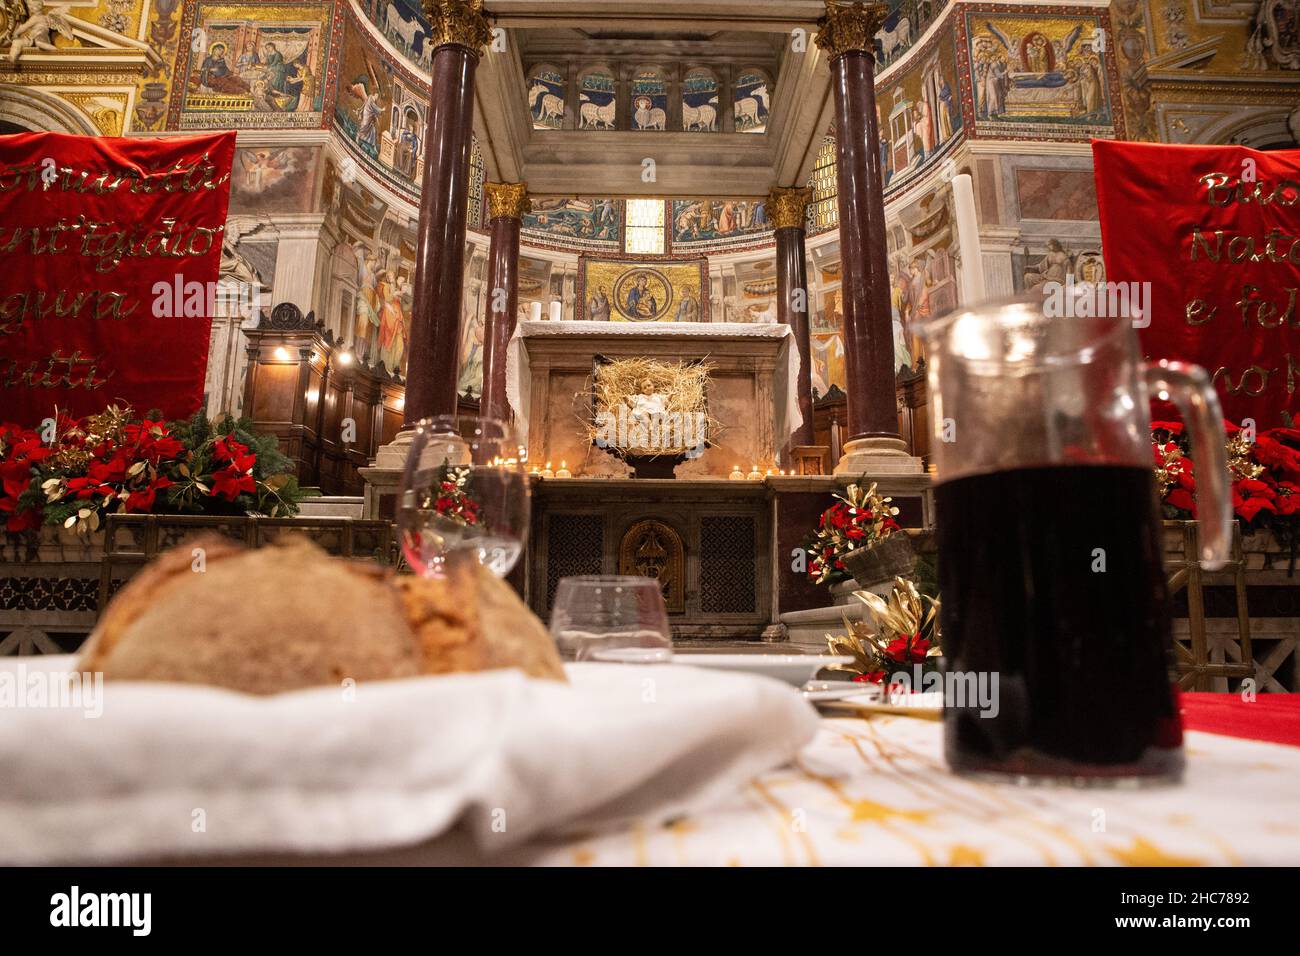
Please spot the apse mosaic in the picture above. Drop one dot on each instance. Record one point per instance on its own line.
(751, 102)
(1044, 76)
(907, 22)
(632, 291)
(918, 111)
(380, 110)
(253, 66)
(595, 224)
(403, 24)
(597, 100)
(706, 224)
(649, 101)
(546, 98)
(700, 102)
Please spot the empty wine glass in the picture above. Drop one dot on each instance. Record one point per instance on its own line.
(465, 492)
(611, 618)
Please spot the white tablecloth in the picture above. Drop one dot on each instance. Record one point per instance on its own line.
(787, 416)
(877, 792)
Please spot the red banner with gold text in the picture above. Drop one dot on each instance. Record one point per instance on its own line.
(109, 251)
(1215, 230)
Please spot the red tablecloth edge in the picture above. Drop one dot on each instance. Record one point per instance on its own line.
(1274, 718)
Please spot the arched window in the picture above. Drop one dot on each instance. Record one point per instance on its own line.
(546, 97)
(700, 102)
(649, 100)
(596, 100)
(751, 93)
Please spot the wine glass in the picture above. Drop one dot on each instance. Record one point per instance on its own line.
(619, 618)
(465, 492)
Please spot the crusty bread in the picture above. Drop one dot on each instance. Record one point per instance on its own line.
(289, 616)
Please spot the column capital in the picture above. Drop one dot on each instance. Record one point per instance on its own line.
(850, 26)
(457, 23)
(787, 206)
(507, 200)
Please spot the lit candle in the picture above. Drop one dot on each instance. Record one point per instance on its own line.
(736, 473)
(755, 473)
(564, 471)
(546, 472)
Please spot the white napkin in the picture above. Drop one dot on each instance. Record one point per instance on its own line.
(172, 771)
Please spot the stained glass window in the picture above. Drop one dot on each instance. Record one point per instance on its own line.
(477, 174)
(644, 231)
(824, 210)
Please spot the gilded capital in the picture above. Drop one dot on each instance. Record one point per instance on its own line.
(457, 22)
(850, 26)
(507, 200)
(788, 205)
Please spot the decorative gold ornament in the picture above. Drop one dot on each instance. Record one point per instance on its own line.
(903, 630)
(459, 23)
(507, 200)
(787, 206)
(850, 26)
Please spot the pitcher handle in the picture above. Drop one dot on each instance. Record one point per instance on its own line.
(1190, 389)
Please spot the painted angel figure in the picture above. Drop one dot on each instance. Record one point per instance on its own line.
(34, 32)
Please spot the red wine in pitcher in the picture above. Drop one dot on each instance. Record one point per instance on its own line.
(1051, 579)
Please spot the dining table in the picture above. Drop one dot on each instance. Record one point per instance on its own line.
(870, 787)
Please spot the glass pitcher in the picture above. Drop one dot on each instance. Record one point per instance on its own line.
(1054, 608)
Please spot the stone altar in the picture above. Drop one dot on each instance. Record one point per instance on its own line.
(751, 390)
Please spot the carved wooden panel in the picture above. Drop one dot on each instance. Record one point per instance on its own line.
(653, 549)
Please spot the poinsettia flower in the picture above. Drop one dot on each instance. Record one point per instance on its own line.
(907, 650)
(1173, 428)
(871, 677)
(228, 448)
(1181, 499)
(1271, 453)
(229, 482)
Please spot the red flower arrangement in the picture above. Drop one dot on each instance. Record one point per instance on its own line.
(857, 519)
(897, 633)
(1265, 474)
(83, 470)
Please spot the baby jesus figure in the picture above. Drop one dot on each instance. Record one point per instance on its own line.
(648, 404)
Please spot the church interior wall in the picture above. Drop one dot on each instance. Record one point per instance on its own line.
(325, 183)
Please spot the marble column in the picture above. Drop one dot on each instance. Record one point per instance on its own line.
(873, 444)
(507, 203)
(787, 208)
(458, 31)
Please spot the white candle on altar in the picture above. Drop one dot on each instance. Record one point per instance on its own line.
(557, 311)
(535, 311)
(968, 240)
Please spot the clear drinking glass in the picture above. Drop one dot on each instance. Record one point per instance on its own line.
(1054, 606)
(612, 618)
(465, 493)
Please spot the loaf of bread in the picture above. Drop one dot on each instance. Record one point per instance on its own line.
(289, 616)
